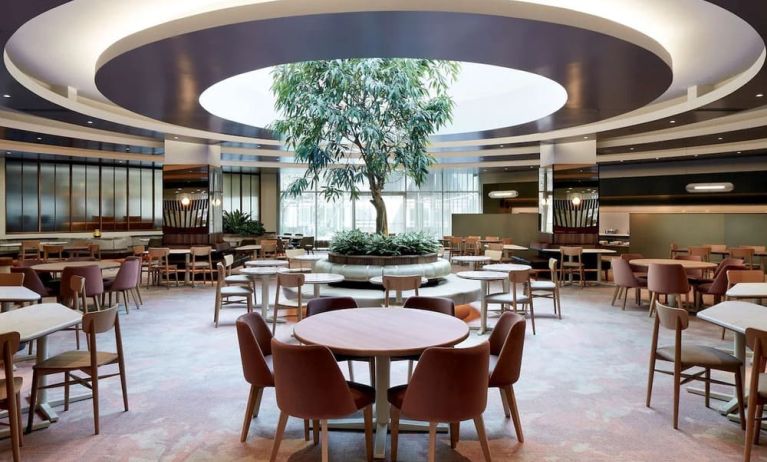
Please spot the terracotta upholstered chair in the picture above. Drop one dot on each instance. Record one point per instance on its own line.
(757, 391)
(625, 279)
(316, 306)
(86, 362)
(255, 341)
(717, 287)
(506, 343)
(663, 279)
(572, 262)
(124, 282)
(448, 385)
(33, 282)
(227, 295)
(399, 284)
(94, 284)
(685, 357)
(548, 289)
(441, 305)
(695, 276)
(10, 390)
(309, 385)
(639, 271)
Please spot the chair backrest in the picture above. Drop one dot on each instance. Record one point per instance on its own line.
(756, 339)
(672, 318)
(455, 242)
(308, 382)
(32, 280)
(519, 277)
(94, 284)
(741, 252)
(220, 276)
(290, 280)
(255, 341)
(291, 253)
(138, 250)
(494, 255)
(306, 241)
(757, 248)
(77, 289)
(716, 247)
(728, 262)
(699, 251)
(667, 279)
(30, 248)
(269, 245)
(323, 304)
(623, 275)
(507, 341)
(401, 282)
(201, 251)
(738, 276)
(692, 272)
(471, 243)
(672, 249)
(495, 246)
(11, 279)
(128, 275)
(449, 384)
(158, 254)
(98, 322)
(507, 241)
(720, 283)
(52, 250)
(228, 261)
(631, 256)
(553, 262)
(571, 251)
(492, 238)
(437, 304)
(9, 345)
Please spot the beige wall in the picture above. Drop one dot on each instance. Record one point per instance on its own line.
(521, 227)
(270, 203)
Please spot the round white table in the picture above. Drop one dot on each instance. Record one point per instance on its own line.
(318, 279)
(267, 263)
(307, 258)
(686, 264)
(484, 277)
(506, 267)
(378, 280)
(255, 248)
(383, 333)
(472, 260)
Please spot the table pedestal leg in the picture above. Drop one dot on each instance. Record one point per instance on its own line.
(398, 300)
(264, 297)
(316, 291)
(382, 406)
(483, 307)
(186, 269)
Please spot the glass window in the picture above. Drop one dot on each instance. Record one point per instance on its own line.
(13, 197)
(78, 198)
(121, 197)
(30, 216)
(62, 197)
(134, 197)
(47, 197)
(333, 216)
(92, 199)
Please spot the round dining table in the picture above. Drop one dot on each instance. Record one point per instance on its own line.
(472, 260)
(318, 279)
(266, 263)
(686, 264)
(58, 266)
(484, 278)
(263, 274)
(382, 333)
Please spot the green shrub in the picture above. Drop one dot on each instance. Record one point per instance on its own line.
(237, 222)
(355, 242)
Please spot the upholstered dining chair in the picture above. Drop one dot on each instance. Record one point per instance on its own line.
(757, 393)
(94, 283)
(519, 294)
(226, 295)
(700, 251)
(10, 390)
(718, 287)
(399, 283)
(665, 279)
(548, 289)
(33, 282)
(309, 385)
(448, 385)
(255, 340)
(124, 282)
(234, 279)
(625, 279)
(506, 344)
(316, 306)
(695, 275)
(684, 357)
(87, 362)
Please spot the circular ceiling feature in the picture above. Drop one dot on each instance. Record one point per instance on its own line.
(486, 97)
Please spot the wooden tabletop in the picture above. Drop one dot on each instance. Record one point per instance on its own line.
(506, 267)
(38, 320)
(687, 264)
(322, 278)
(736, 316)
(482, 275)
(57, 267)
(17, 294)
(267, 263)
(381, 331)
(179, 251)
(748, 290)
(513, 247)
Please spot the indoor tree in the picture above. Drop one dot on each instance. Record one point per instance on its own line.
(357, 121)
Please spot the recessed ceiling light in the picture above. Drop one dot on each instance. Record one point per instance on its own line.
(38, 138)
(695, 155)
(720, 138)
(7, 152)
(500, 146)
(758, 95)
(739, 152)
(127, 149)
(6, 95)
(631, 149)
(585, 137)
(90, 122)
(657, 158)
(175, 137)
(621, 160)
(672, 121)
(506, 168)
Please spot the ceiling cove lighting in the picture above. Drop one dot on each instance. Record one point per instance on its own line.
(709, 187)
(503, 194)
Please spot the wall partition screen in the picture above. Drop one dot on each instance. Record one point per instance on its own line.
(68, 197)
(427, 208)
(241, 192)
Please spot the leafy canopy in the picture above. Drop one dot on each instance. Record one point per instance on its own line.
(359, 120)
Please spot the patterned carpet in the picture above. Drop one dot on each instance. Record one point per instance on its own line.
(581, 395)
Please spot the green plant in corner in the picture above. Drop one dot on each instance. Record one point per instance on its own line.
(238, 222)
(356, 121)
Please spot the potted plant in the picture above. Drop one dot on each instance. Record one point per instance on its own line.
(239, 224)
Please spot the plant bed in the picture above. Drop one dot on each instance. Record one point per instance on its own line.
(381, 260)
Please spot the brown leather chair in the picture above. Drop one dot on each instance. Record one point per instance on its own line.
(664, 279)
(506, 344)
(696, 276)
(33, 282)
(685, 357)
(449, 385)
(255, 341)
(10, 390)
(309, 385)
(316, 306)
(87, 362)
(757, 392)
(625, 279)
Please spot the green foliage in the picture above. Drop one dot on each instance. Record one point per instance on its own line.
(355, 121)
(355, 242)
(237, 222)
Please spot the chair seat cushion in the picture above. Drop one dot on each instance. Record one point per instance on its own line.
(199, 264)
(396, 395)
(73, 360)
(704, 287)
(698, 355)
(571, 264)
(17, 382)
(237, 279)
(505, 297)
(235, 291)
(363, 395)
(542, 285)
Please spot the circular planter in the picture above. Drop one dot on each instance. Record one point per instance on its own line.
(363, 267)
(379, 260)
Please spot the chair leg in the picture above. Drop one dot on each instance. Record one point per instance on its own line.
(615, 295)
(138, 293)
(532, 314)
(324, 444)
(249, 412)
(351, 370)
(650, 375)
(316, 431)
(409, 370)
(278, 436)
(480, 424)
(95, 388)
(759, 415)
(707, 387)
(32, 401)
(372, 367)
(394, 425)
(432, 442)
(455, 431)
(14, 421)
(66, 391)
(751, 425)
(505, 403)
(741, 400)
(367, 414)
(677, 387)
(217, 309)
(653, 297)
(306, 429)
(625, 297)
(512, 400)
(559, 302)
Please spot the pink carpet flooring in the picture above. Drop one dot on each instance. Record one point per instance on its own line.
(581, 395)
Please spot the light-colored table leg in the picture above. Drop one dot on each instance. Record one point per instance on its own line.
(398, 294)
(483, 307)
(187, 262)
(316, 291)
(264, 296)
(383, 364)
(6, 306)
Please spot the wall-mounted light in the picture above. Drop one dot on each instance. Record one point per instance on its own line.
(709, 187)
(503, 194)
(576, 199)
(185, 200)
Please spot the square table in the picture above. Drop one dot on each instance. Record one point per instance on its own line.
(757, 290)
(16, 294)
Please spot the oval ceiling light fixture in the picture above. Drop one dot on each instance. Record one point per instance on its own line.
(709, 187)
(503, 194)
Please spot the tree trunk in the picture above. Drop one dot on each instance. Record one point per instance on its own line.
(382, 223)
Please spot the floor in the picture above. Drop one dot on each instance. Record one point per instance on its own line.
(581, 395)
